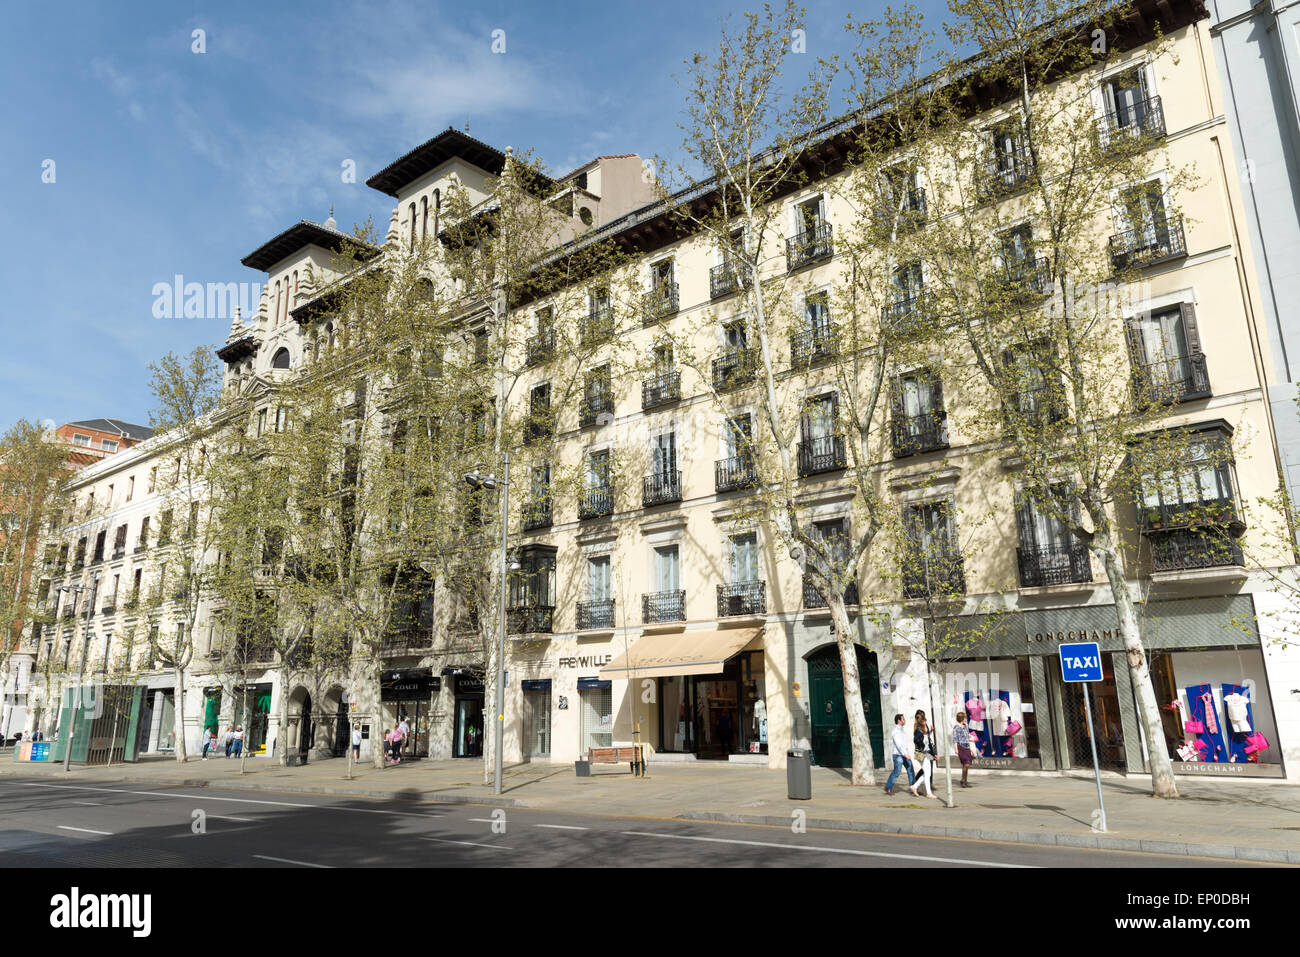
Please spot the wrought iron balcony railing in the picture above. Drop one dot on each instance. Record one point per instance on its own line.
(1036, 408)
(594, 405)
(1191, 548)
(908, 316)
(812, 598)
(406, 640)
(530, 619)
(660, 303)
(915, 434)
(1179, 379)
(822, 454)
(1006, 173)
(733, 368)
(909, 208)
(1054, 565)
(1147, 245)
(661, 488)
(539, 348)
(662, 606)
(810, 246)
(935, 573)
(1176, 515)
(596, 502)
(597, 327)
(734, 473)
(540, 424)
(1144, 120)
(537, 514)
(813, 345)
(661, 389)
(742, 598)
(724, 279)
(1029, 276)
(595, 615)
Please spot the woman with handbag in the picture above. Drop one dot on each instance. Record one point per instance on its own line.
(923, 759)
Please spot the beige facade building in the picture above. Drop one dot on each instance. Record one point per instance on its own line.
(651, 606)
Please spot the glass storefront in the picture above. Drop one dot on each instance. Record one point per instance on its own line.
(167, 722)
(252, 709)
(715, 716)
(998, 698)
(597, 703)
(537, 718)
(406, 696)
(468, 742)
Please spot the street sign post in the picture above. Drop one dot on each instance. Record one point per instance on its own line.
(1080, 664)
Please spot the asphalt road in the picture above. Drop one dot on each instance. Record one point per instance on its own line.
(63, 825)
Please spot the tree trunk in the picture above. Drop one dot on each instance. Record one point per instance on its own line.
(864, 764)
(490, 723)
(376, 708)
(178, 718)
(282, 732)
(1162, 770)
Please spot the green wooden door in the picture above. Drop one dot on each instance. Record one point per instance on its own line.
(830, 724)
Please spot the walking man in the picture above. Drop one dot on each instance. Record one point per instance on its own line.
(239, 740)
(901, 750)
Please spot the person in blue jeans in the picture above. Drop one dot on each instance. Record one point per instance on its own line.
(901, 750)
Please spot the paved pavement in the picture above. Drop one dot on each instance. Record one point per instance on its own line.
(1232, 820)
(65, 824)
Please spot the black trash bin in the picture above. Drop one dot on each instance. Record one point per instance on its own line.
(798, 774)
(583, 768)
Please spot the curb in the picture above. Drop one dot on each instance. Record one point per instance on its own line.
(1265, 855)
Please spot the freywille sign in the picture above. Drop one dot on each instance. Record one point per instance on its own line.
(584, 661)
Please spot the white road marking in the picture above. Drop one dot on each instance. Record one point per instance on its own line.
(825, 850)
(89, 803)
(207, 797)
(285, 860)
(498, 847)
(85, 830)
(223, 817)
(481, 820)
(563, 827)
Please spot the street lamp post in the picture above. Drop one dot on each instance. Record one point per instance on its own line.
(85, 651)
(490, 482)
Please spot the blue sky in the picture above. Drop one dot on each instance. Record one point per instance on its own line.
(170, 162)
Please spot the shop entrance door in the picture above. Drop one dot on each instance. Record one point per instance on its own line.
(305, 730)
(416, 716)
(831, 745)
(469, 727)
(1075, 751)
(341, 735)
(537, 724)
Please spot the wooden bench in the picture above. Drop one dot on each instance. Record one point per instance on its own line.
(631, 754)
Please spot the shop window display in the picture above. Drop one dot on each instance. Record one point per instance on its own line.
(997, 696)
(1216, 707)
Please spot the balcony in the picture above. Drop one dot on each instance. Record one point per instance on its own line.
(1145, 122)
(1054, 565)
(413, 640)
(1148, 245)
(915, 434)
(661, 488)
(597, 327)
(537, 514)
(595, 615)
(596, 502)
(661, 389)
(742, 598)
(812, 598)
(936, 574)
(733, 368)
(908, 316)
(540, 425)
(724, 279)
(907, 212)
(735, 473)
(539, 348)
(1006, 173)
(594, 406)
(141, 548)
(1037, 408)
(1186, 549)
(813, 345)
(533, 619)
(1167, 381)
(660, 303)
(1166, 516)
(119, 553)
(108, 610)
(808, 247)
(822, 454)
(663, 606)
(1028, 277)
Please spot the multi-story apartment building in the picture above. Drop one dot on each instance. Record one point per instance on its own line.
(648, 605)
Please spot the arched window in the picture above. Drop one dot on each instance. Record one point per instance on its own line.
(277, 303)
(424, 218)
(280, 360)
(294, 300)
(424, 290)
(412, 213)
(437, 208)
(329, 327)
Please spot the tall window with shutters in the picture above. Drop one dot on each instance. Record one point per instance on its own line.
(1048, 553)
(822, 448)
(1168, 363)
(932, 562)
(919, 422)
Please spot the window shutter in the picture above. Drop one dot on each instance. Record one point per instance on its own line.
(1025, 520)
(1190, 329)
(805, 422)
(936, 393)
(1133, 335)
(896, 399)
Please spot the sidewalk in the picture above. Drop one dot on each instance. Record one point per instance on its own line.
(1249, 821)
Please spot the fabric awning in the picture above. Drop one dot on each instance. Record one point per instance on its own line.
(683, 653)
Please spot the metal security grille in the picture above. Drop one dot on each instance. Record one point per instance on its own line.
(108, 732)
(1072, 723)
